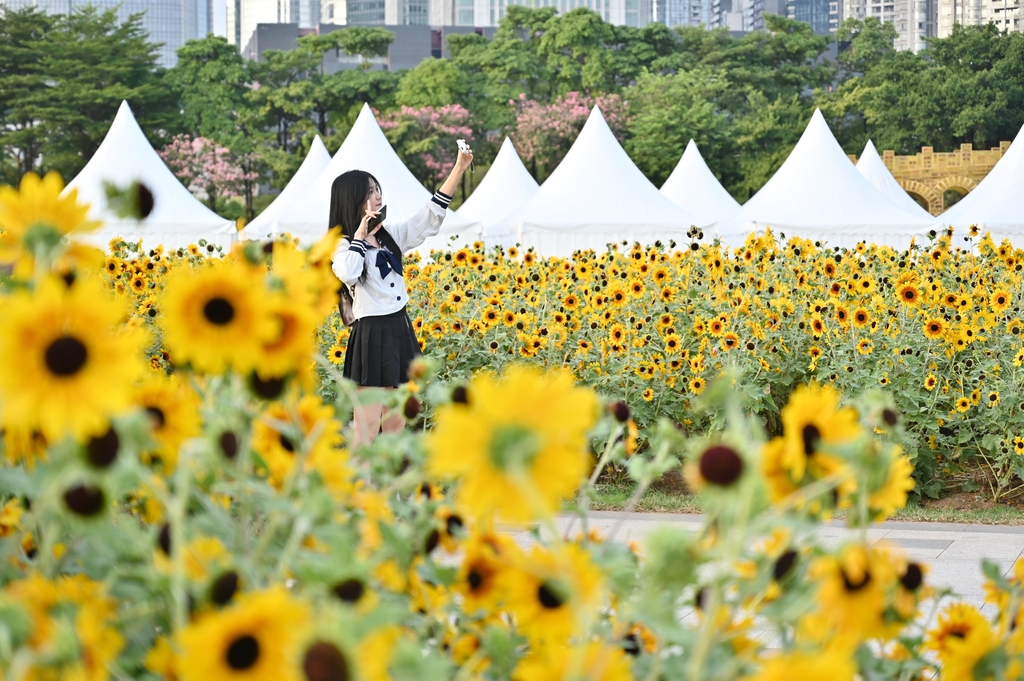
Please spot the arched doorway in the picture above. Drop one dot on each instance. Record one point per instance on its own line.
(923, 195)
(953, 189)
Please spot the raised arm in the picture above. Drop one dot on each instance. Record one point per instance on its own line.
(461, 164)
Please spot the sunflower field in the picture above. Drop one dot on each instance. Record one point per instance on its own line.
(178, 499)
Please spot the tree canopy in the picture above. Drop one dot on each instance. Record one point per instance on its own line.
(745, 100)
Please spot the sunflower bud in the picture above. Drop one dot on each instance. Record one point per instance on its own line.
(85, 500)
(721, 465)
(164, 539)
(323, 661)
(224, 588)
(102, 451)
(349, 590)
(412, 408)
(913, 578)
(783, 565)
(620, 410)
(228, 442)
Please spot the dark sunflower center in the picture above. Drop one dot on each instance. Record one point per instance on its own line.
(287, 444)
(66, 356)
(219, 311)
(243, 653)
(811, 437)
(549, 597)
(853, 586)
(158, 416)
(475, 579)
(909, 295)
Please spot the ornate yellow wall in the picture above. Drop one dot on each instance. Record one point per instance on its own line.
(929, 174)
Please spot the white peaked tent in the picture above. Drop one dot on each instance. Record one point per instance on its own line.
(266, 222)
(874, 171)
(507, 187)
(124, 157)
(594, 197)
(997, 204)
(818, 194)
(693, 187)
(366, 148)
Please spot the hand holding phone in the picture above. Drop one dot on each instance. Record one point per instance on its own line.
(371, 221)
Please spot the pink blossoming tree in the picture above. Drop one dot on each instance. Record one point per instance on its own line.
(425, 138)
(543, 133)
(204, 166)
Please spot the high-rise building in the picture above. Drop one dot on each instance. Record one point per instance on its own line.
(726, 14)
(681, 12)
(1007, 15)
(822, 15)
(914, 20)
(171, 22)
(244, 15)
(469, 13)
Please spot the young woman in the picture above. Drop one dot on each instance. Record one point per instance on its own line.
(368, 260)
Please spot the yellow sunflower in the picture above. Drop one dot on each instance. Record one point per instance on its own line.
(486, 560)
(216, 317)
(282, 431)
(36, 215)
(935, 328)
(553, 592)
(290, 349)
(852, 590)
(961, 638)
(173, 410)
(256, 639)
(519, 446)
(593, 661)
(908, 295)
(66, 365)
(861, 317)
(892, 495)
(835, 664)
(1000, 300)
(814, 425)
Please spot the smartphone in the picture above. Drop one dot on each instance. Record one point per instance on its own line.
(373, 222)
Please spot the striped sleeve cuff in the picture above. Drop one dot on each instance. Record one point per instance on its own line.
(358, 246)
(441, 199)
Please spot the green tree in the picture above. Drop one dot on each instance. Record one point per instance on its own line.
(213, 81)
(667, 111)
(364, 41)
(22, 91)
(62, 80)
(864, 44)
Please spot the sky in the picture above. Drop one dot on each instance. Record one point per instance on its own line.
(220, 17)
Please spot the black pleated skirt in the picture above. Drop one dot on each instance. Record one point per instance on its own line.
(380, 349)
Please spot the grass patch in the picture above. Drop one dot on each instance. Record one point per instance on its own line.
(614, 497)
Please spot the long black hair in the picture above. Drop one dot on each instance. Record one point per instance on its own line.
(348, 200)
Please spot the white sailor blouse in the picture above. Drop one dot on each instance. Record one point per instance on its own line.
(374, 275)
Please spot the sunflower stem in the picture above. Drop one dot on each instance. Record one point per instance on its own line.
(176, 516)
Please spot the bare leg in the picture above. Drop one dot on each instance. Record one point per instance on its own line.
(367, 422)
(393, 423)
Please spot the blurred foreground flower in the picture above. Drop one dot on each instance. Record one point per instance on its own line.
(517, 445)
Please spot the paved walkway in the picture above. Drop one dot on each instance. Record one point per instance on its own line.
(952, 551)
